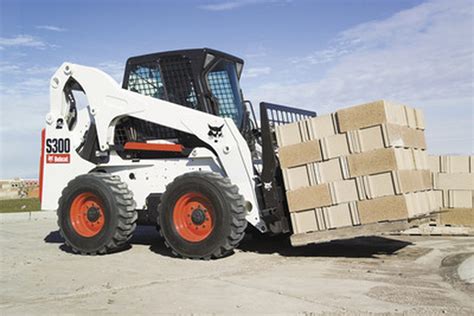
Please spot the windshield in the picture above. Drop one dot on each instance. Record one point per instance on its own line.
(224, 86)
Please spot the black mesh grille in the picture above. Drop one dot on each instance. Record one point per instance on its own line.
(178, 77)
(221, 88)
(146, 79)
(280, 114)
(150, 79)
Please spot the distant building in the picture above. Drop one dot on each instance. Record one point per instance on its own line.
(18, 188)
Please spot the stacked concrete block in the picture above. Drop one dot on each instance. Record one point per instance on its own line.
(360, 165)
(453, 184)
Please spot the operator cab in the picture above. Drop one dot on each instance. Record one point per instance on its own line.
(203, 79)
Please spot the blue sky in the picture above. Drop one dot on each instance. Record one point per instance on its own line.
(320, 55)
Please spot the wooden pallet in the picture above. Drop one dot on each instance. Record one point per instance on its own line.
(435, 229)
(355, 231)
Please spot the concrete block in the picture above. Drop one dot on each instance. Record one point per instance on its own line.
(312, 174)
(411, 181)
(387, 208)
(370, 114)
(288, 134)
(379, 185)
(334, 146)
(329, 171)
(434, 202)
(340, 215)
(296, 177)
(320, 219)
(321, 126)
(353, 140)
(454, 181)
(380, 160)
(344, 191)
(457, 216)
(411, 117)
(421, 159)
(396, 182)
(309, 197)
(455, 164)
(384, 136)
(304, 221)
(434, 163)
(459, 198)
(371, 138)
(420, 119)
(471, 164)
(361, 191)
(300, 154)
(438, 198)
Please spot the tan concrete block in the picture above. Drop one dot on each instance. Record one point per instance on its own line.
(402, 136)
(420, 119)
(288, 134)
(370, 114)
(304, 221)
(361, 191)
(412, 180)
(309, 197)
(433, 200)
(339, 215)
(334, 146)
(434, 163)
(380, 160)
(438, 198)
(344, 191)
(320, 219)
(454, 181)
(312, 174)
(371, 138)
(353, 140)
(459, 198)
(457, 216)
(321, 126)
(329, 171)
(379, 185)
(406, 158)
(411, 117)
(455, 164)
(300, 154)
(396, 113)
(471, 164)
(296, 177)
(387, 208)
(414, 205)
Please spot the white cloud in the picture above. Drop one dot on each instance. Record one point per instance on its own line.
(236, 4)
(422, 56)
(257, 72)
(51, 28)
(22, 41)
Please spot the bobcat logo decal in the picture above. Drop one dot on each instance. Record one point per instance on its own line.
(215, 131)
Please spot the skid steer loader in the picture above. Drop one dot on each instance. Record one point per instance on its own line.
(176, 146)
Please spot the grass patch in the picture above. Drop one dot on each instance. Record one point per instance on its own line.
(20, 205)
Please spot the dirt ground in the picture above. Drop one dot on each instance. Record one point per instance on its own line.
(414, 275)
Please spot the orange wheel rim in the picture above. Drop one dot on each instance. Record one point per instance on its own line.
(87, 214)
(193, 216)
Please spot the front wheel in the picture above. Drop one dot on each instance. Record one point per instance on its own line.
(96, 214)
(202, 216)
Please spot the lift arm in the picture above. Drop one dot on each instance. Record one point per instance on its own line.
(108, 102)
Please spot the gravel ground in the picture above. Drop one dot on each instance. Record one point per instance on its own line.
(413, 275)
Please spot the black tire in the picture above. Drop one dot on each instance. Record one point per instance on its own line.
(118, 210)
(228, 215)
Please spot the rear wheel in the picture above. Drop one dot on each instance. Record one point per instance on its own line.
(96, 214)
(202, 216)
